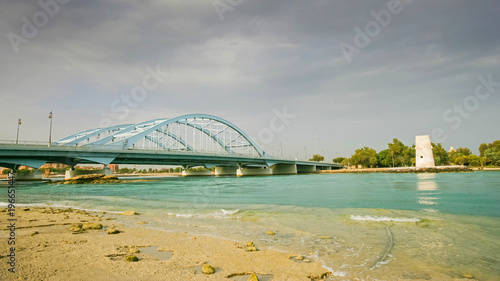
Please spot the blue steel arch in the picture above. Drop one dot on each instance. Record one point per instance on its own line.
(140, 131)
(185, 144)
(74, 139)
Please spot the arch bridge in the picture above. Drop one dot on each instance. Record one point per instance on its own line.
(196, 133)
(188, 140)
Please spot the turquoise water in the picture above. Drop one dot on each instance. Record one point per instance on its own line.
(387, 226)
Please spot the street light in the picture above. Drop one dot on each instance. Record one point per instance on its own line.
(18, 123)
(342, 147)
(50, 130)
(315, 146)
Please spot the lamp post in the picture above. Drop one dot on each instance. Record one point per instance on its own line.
(17, 137)
(50, 130)
(342, 147)
(315, 145)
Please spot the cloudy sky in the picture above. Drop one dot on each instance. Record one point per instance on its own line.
(352, 73)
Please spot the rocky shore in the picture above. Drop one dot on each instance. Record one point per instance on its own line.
(96, 179)
(70, 244)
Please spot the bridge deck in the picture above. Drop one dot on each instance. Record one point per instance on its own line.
(26, 154)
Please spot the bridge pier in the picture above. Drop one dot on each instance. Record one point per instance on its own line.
(306, 169)
(73, 173)
(225, 171)
(254, 171)
(284, 169)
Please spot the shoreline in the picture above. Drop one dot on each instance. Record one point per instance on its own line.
(391, 170)
(46, 248)
(437, 169)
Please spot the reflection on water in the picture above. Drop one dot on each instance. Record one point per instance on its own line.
(427, 185)
(428, 191)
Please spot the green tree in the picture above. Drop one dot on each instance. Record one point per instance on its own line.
(125, 170)
(410, 155)
(6, 171)
(482, 148)
(403, 155)
(440, 155)
(492, 152)
(384, 159)
(366, 157)
(317, 157)
(462, 160)
(338, 159)
(461, 151)
(474, 160)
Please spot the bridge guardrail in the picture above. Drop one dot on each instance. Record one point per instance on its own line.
(24, 142)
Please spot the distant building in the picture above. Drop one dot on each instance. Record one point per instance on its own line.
(114, 167)
(423, 152)
(54, 165)
(85, 167)
(24, 168)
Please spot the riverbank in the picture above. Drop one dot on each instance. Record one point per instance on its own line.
(486, 169)
(149, 175)
(69, 244)
(437, 169)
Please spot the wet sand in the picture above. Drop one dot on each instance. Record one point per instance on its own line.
(46, 249)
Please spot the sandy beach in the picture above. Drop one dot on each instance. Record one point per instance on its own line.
(50, 245)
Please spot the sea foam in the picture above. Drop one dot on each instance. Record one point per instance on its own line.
(222, 213)
(382, 219)
(229, 212)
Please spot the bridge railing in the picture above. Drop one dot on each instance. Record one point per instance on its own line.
(24, 142)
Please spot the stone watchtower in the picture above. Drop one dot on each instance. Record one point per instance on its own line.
(423, 152)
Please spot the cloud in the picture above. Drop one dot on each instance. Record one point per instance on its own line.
(262, 56)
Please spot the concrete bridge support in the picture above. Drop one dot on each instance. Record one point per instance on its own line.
(306, 169)
(225, 171)
(254, 171)
(284, 169)
(73, 173)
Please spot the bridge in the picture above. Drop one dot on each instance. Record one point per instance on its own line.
(194, 140)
